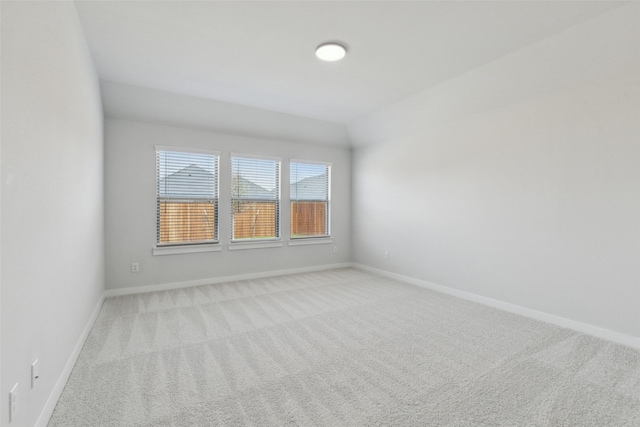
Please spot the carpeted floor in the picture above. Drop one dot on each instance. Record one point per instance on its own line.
(339, 348)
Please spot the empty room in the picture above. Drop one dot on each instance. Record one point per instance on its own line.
(320, 213)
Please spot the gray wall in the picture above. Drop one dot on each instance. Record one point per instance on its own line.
(128, 102)
(532, 200)
(131, 207)
(52, 197)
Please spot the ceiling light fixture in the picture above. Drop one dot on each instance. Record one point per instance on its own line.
(331, 51)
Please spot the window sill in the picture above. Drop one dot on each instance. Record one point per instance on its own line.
(310, 241)
(186, 249)
(239, 246)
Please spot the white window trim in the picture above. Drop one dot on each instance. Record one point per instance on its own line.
(186, 150)
(327, 236)
(313, 162)
(240, 245)
(186, 249)
(256, 156)
(259, 243)
(303, 241)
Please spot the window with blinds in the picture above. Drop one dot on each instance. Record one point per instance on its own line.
(187, 197)
(310, 199)
(255, 198)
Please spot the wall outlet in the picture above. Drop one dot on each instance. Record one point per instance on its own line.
(135, 267)
(386, 254)
(13, 403)
(335, 249)
(35, 372)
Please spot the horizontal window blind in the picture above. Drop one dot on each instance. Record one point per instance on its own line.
(310, 199)
(255, 198)
(187, 197)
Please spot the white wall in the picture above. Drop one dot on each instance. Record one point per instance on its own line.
(131, 207)
(530, 198)
(123, 101)
(52, 197)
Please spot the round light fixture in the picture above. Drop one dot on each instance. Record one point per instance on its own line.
(331, 52)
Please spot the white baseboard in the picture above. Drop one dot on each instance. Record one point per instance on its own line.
(47, 411)
(224, 279)
(585, 328)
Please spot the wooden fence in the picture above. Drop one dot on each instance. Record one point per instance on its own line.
(253, 219)
(195, 222)
(308, 219)
(186, 221)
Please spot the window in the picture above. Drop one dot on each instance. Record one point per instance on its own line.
(310, 199)
(255, 198)
(187, 197)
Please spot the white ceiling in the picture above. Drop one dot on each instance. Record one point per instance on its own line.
(261, 54)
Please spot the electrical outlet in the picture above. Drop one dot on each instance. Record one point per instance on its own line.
(386, 254)
(335, 249)
(13, 403)
(135, 267)
(35, 372)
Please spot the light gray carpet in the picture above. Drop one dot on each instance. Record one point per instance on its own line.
(339, 348)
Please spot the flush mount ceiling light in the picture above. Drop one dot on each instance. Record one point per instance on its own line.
(331, 52)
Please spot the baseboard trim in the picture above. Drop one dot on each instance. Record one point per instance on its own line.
(214, 280)
(52, 401)
(585, 328)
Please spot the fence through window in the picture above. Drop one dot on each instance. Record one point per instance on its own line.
(310, 199)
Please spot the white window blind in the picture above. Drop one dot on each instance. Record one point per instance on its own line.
(187, 197)
(255, 198)
(310, 199)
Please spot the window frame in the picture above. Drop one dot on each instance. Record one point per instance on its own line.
(260, 242)
(186, 246)
(324, 238)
